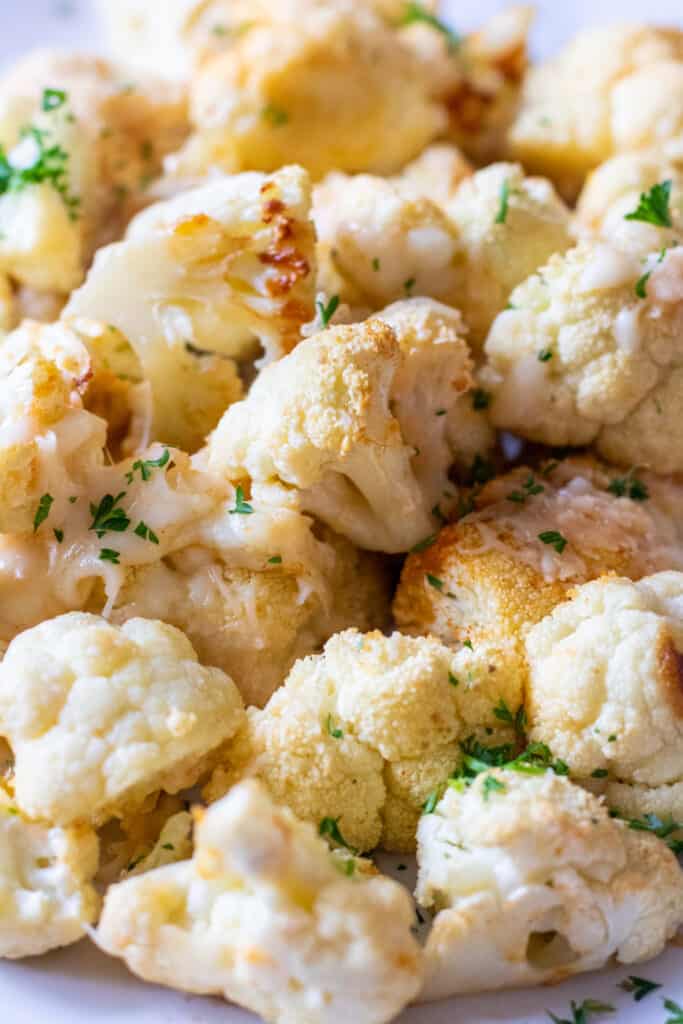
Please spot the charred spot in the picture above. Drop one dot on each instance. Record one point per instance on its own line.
(468, 107)
(272, 209)
(291, 264)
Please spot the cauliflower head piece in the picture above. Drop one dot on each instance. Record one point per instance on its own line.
(590, 353)
(435, 174)
(340, 421)
(577, 108)
(532, 881)
(362, 734)
(271, 920)
(534, 535)
(615, 647)
(47, 898)
(99, 716)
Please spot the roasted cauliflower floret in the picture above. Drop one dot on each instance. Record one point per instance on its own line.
(509, 226)
(577, 108)
(435, 174)
(273, 95)
(217, 271)
(47, 899)
(337, 421)
(363, 733)
(532, 882)
(99, 716)
(605, 686)
(534, 536)
(590, 352)
(269, 922)
(94, 143)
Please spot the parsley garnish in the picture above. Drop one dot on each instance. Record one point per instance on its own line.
(43, 511)
(143, 530)
(59, 535)
(517, 721)
(665, 830)
(653, 207)
(629, 487)
(545, 355)
(107, 555)
(52, 99)
(492, 785)
(376, 264)
(555, 539)
(641, 285)
(108, 516)
(145, 466)
(480, 399)
(435, 582)
(416, 13)
(330, 827)
(49, 165)
(482, 470)
(423, 545)
(639, 987)
(275, 560)
(477, 758)
(335, 732)
(429, 806)
(275, 115)
(242, 507)
(599, 773)
(453, 680)
(409, 285)
(502, 214)
(582, 1012)
(327, 310)
(529, 490)
(168, 846)
(675, 1009)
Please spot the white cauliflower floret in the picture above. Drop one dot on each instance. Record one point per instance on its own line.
(586, 352)
(323, 421)
(532, 882)
(95, 143)
(47, 898)
(218, 270)
(435, 174)
(363, 733)
(613, 191)
(383, 244)
(263, 916)
(99, 716)
(509, 226)
(273, 95)
(605, 687)
(578, 108)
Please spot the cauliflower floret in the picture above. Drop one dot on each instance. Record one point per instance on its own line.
(534, 536)
(99, 716)
(268, 921)
(435, 174)
(46, 895)
(578, 108)
(273, 95)
(509, 226)
(613, 191)
(605, 689)
(363, 733)
(335, 420)
(383, 244)
(216, 271)
(533, 882)
(586, 353)
(110, 139)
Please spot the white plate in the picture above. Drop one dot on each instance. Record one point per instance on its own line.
(79, 985)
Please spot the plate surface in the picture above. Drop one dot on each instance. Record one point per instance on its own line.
(79, 985)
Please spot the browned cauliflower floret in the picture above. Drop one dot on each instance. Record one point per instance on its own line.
(363, 733)
(605, 689)
(591, 351)
(490, 577)
(578, 108)
(532, 881)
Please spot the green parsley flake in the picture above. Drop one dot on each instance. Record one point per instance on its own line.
(545, 355)
(555, 539)
(108, 516)
(49, 165)
(275, 560)
(423, 545)
(530, 488)
(675, 1010)
(327, 310)
(376, 264)
(145, 466)
(582, 1012)
(492, 785)
(242, 507)
(108, 555)
(52, 99)
(641, 285)
(429, 806)
(629, 487)
(43, 511)
(330, 827)
(653, 207)
(435, 582)
(480, 399)
(599, 773)
(275, 115)
(453, 680)
(666, 830)
(59, 535)
(640, 988)
(335, 732)
(415, 13)
(409, 285)
(144, 531)
(168, 846)
(502, 214)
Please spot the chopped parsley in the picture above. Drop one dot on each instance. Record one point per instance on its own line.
(530, 488)
(423, 545)
(275, 115)
(653, 207)
(329, 827)
(435, 582)
(545, 355)
(335, 732)
(168, 846)
(440, 412)
(415, 13)
(482, 470)
(52, 99)
(555, 539)
(641, 285)
(468, 643)
(327, 310)
(108, 516)
(599, 773)
(144, 531)
(429, 806)
(674, 1009)
(492, 785)
(517, 721)
(453, 680)
(629, 487)
(43, 511)
(59, 535)
(145, 466)
(108, 555)
(409, 285)
(583, 1012)
(275, 560)
(376, 264)
(49, 165)
(666, 830)
(242, 507)
(502, 214)
(477, 758)
(640, 988)
(480, 399)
